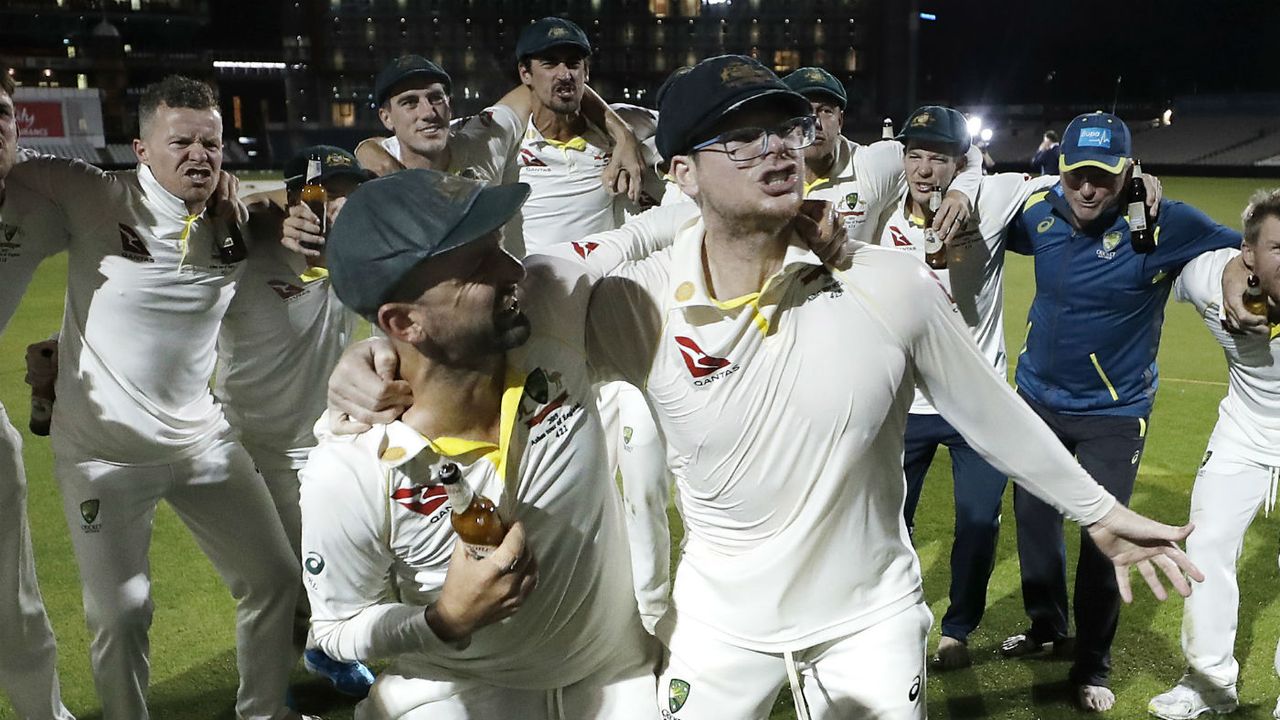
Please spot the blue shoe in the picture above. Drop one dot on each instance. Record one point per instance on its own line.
(348, 678)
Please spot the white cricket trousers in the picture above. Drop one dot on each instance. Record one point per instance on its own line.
(622, 689)
(110, 509)
(637, 451)
(28, 653)
(1227, 495)
(877, 673)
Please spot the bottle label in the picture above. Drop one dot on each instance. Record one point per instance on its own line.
(1137, 217)
(932, 243)
(478, 552)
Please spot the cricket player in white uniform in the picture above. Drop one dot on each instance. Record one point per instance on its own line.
(865, 182)
(29, 232)
(936, 139)
(1240, 470)
(135, 421)
(280, 339)
(767, 591)
(497, 360)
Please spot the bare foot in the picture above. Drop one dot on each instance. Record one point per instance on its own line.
(1095, 698)
(951, 655)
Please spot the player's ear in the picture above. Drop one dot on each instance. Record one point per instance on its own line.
(685, 171)
(384, 114)
(140, 149)
(397, 321)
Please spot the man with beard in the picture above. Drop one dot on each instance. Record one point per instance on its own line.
(495, 357)
(814, 366)
(135, 422)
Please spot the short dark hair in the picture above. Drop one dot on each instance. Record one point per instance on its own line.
(6, 84)
(1263, 204)
(1052, 135)
(175, 91)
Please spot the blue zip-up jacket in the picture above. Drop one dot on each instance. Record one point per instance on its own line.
(1094, 326)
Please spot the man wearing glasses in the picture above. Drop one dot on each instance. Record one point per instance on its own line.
(782, 387)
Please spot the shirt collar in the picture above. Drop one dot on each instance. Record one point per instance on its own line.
(591, 135)
(160, 197)
(688, 280)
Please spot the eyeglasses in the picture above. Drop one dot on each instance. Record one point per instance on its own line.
(749, 143)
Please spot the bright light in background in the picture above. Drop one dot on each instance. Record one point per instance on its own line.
(928, 16)
(975, 124)
(986, 134)
(248, 65)
(1167, 117)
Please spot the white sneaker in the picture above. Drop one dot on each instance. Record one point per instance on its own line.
(1184, 701)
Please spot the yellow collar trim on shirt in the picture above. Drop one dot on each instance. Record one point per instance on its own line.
(1275, 331)
(499, 454)
(915, 220)
(188, 221)
(313, 274)
(816, 182)
(578, 143)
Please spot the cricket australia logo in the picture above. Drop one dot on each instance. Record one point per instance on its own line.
(545, 406)
(89, 513)
(703, 367)
(132, 245)
(1110, 242)
(677, 694)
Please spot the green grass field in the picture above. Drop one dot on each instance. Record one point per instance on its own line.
(192, 648)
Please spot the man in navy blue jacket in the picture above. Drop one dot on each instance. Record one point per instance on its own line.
(1089, 370)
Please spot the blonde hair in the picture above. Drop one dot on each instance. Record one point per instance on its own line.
(1263, 204)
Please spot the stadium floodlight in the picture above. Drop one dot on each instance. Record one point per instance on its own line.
(248, 65)
(1167, 116)
(975, 124)
(985, 135)
(928, 16)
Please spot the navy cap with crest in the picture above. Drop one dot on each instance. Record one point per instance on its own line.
(695, 101)
(810, 81)
(937, 124)
(551, 32)
(334, 162)
(392, 224)
(407, 66)
(1096, 140)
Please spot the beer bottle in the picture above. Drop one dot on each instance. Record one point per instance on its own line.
(316, 198)
(230, 244)
(886, 129)
(935, 251)
(474, 518)
(1142, 228)
(42, 397)
(1254, 301)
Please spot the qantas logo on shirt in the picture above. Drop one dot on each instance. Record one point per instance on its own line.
(9, 232)
(584, 248)
(899, 238)
(528, 159)
(422, 499)
(545, 406)
(286, 291)
(132, 246)
(699, 363)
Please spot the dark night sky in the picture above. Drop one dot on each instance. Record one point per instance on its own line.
(1002, 51)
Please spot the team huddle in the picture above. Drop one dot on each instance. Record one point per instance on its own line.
(576, 306)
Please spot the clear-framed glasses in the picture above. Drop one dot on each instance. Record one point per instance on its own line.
(749, 143)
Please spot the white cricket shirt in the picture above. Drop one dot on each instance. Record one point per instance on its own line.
(376, 538)
(975, 260)
(30, 231)
(866, 182)
(784, 413)
(1249, 416)
(145, 295)
(280, 340)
